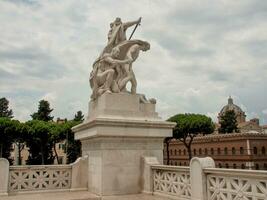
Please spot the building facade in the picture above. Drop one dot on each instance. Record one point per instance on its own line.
(239, 150)
(243, 150)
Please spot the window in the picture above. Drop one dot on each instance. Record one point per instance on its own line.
(200, 151)
(234, 166)
(212, 151)
(263, 151)
(243, 166)
(233, 151)
(184, 163)
(206, 151)
(175, 152)
(241, 150)
(60, 160)
(265, 166)
(225, 151)
(226, 165)
(255, 150)
(61, 146)
(219, 151)
(257, 167)
(220, 165)
(180, 163)
(195, 152)
(184, 152)
(180, 151)
(170, 152)
(175, 163)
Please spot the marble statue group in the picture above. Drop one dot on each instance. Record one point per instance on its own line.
(113, 69)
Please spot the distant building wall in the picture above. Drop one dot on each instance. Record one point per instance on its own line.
(238, 150)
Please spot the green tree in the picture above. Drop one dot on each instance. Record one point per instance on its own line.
(57, 133)
(188, 126)
(4, 109)
(5, 137)
(11, 132)
(167, 141)
(228, 122)
(79, 116)
(19, 132)
(73, 147)
(39, 143)
(44, 112)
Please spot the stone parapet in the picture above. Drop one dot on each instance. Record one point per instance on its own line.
(4, 176)
(202, 181)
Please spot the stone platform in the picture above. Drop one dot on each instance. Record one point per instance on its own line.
(81, 195)
(121, 129)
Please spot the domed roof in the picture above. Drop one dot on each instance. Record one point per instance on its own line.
(231, 106)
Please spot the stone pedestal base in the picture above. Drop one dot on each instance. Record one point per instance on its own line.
(115, 137)
(115, 163)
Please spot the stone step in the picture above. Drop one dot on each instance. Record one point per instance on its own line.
(88, 198)
(77, 195)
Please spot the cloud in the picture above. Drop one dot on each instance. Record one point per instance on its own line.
(201, 52)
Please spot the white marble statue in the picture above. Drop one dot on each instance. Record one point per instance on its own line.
(113, 69)
(117, 33)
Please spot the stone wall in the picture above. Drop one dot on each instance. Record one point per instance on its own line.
(202, 181)
(236, 151)
(36, 178)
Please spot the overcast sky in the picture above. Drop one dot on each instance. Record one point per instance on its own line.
(201, 52)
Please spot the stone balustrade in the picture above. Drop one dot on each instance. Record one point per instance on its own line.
(36, 178)
(234, 184)
(171, 180)
(202, 181)
(39, 177)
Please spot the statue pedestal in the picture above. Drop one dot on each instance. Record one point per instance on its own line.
(119, 131)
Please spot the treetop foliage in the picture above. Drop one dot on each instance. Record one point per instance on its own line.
(191, 124)
(41, 134)
(44, 112)
(79, 116)
(228, 122)
(4, 108)
(188, 126)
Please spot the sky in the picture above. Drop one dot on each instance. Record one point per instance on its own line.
(201, 52)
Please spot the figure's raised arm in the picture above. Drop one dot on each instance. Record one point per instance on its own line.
(129, 24)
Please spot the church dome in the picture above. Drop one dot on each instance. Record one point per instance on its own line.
(231, 106)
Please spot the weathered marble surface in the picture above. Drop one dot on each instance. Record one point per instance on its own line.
(113, 69)
(123, 105)
(4, 176)
(79, 195)
(119, 131)
(122, 126)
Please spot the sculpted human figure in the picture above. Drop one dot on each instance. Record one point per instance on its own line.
(103, 76)
(131, 56)
(117, 33)
(113, 69)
